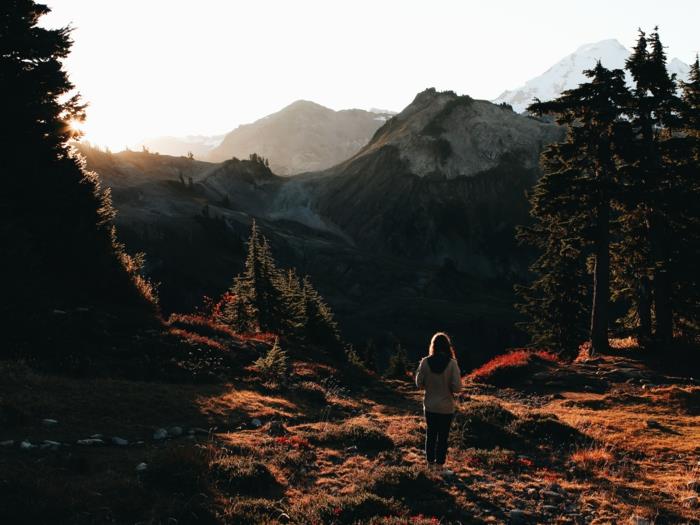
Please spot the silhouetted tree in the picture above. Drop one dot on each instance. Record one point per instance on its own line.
(58, 241)
(575, 198)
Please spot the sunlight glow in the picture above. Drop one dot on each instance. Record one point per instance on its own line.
(175, 67)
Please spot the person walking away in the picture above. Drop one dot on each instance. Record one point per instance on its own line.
(438, 374)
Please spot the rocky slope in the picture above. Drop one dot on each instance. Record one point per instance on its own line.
(568, 73)
(443, 182)
(303, 136)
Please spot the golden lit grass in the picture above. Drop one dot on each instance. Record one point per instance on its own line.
(589, 458)
(249, 403)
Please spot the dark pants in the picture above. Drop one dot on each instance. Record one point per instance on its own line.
(436, 436)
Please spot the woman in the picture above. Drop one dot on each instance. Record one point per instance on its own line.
(439, 375)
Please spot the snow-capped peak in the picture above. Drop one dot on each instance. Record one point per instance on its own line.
(568, 73)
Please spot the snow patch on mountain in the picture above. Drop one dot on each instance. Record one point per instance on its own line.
(568, 73)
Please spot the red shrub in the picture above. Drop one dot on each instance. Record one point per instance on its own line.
(513, 366)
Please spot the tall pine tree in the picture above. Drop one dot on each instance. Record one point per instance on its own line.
(572, 207)
(58, 241)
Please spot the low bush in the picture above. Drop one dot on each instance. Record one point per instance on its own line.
(274, 366)
(346, 510)
(243, 475)
(353, 433)
(244, 511)
(410, 485)
(547, 429)
(484, 425)
(513, 367)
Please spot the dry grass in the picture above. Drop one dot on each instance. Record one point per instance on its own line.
(312, 473)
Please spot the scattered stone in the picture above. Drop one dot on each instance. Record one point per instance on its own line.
(96, 436)
(90, 442)
(276, 428)
(351, 448)
(160, 434)
(653, 423)
(53, 445)
(518, 516)
(175, 431)
(693, 484)
(691, 501)
(7, 443)
(59, 312)
(26, 445)
(197, 430)
(49, 422)
(256, 423)
(551, 495)
(531, 491)
(120, 442)
(141, 467)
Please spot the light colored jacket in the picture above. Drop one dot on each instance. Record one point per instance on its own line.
(439, 388)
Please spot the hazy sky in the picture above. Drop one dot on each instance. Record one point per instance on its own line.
(176, 67)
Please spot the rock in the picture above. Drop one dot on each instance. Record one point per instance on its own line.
(59, 312)
(47, 443)
(256, 423)
(691, 501)
(49, 422)
(120, 442)
(351, 448)
(160, 434)
(26, 445)
(693, 484)
(175, 431)
(653, 423)
(531, 491)
(636, 520)
(276, 428)
(201, 431)
(518, 516)
(7, 443)
(96, 436)
(141, 467)
(551, 495)
(90, 442)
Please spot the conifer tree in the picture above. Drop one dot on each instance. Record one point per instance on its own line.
(572, 206)
(650, 201)
(56, 232)
(398, 363)
(320, 327)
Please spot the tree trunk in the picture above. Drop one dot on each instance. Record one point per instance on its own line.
(644, 312)
(601, 281)
(662, 307)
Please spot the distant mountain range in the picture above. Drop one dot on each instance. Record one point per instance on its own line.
(568, 73)
(198, 145)
(303, 136)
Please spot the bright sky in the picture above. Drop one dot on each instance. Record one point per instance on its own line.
(179, 67)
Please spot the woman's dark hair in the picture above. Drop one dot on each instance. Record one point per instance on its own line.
(442, 344)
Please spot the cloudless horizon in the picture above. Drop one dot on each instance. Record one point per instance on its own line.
(184, 68)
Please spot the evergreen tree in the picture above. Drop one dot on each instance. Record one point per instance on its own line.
(651, 199)
(320, 327)
(58, 241)
(572, 206)
(398, 363)
(369, 355)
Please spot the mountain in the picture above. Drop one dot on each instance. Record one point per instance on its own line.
(303, 136)
(413, 231)
(568, 73)
(441, 182)
(198, 145)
